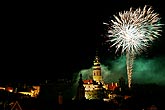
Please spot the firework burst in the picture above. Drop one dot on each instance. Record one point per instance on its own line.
(133, 31)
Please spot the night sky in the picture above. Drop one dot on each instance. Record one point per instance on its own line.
(52, 40)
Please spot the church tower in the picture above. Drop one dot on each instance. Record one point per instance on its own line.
(80, 90)
(97, 69)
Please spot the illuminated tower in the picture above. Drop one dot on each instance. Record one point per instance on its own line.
(97, 70)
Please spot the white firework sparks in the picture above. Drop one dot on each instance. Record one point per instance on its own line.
(133, 31)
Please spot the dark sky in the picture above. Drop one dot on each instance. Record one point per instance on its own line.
(53, 39)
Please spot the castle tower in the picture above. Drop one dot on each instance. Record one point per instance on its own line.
(97, 70)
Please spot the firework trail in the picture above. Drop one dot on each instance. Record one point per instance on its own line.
(133, 31)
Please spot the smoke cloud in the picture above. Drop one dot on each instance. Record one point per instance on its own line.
(149, 70)
(145, 70)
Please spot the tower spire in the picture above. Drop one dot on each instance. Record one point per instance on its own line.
(97, 69)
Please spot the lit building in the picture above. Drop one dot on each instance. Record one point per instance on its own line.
(33, 92)
(95, 88)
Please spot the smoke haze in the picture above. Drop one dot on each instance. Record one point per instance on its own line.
(145, 70)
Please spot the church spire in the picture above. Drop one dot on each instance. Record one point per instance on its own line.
(80, 81)
(80, 89)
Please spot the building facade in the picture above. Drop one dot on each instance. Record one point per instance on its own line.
(96, 88)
